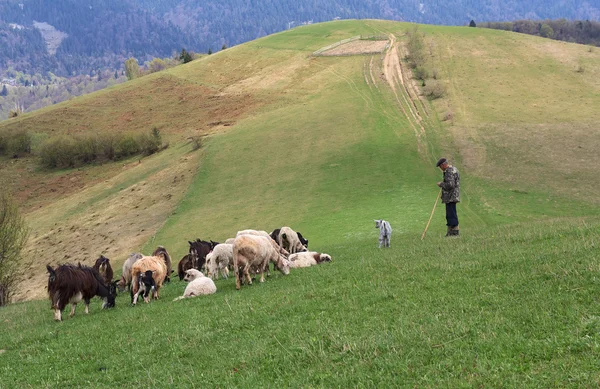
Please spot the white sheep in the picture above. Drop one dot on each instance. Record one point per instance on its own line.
(218, 260)
(308, 258)
(253, 232)
(198, 284)
(126, 275)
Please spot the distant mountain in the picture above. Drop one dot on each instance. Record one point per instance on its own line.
(69, 37)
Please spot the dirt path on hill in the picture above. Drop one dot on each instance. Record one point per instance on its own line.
(405, 92)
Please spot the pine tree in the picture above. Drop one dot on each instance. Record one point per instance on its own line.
(185, 57)
(4, 91)
(472, 24)
(224, 46)
(209, 51)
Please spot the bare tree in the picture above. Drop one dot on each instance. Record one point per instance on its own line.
(13, 235)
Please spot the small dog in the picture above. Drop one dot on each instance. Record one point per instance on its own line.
(385, 232)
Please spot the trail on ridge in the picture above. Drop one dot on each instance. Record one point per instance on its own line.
(406, 98)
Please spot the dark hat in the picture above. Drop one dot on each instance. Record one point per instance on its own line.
(441, 161)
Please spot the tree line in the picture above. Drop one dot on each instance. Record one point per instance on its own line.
(585, 32)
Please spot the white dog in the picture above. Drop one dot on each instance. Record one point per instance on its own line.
(385, 232)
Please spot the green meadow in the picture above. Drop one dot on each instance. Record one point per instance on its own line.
(512, 302)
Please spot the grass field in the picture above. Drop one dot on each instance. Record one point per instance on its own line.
(508, 307)
(312, 143)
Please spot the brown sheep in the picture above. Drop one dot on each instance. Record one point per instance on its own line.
(255, 251)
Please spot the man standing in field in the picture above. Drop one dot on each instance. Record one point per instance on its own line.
(450, 194)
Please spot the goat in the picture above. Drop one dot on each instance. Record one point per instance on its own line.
(103, 267)
(157, 265)
(69, 284)
(187, 262)
(167, 258)
(146, 285)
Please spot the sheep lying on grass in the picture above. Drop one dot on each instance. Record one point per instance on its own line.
(308, 258)
(198, 284)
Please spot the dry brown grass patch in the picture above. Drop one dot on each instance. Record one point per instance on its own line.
(357, 47)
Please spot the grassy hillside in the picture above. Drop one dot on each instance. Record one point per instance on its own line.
(326, 145)
(503, 307)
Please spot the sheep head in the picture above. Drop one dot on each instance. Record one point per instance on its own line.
(283, 265)
(192, 274)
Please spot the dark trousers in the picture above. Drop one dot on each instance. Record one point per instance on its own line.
(451, 215)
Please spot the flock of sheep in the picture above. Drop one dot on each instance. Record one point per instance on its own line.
(248, 255)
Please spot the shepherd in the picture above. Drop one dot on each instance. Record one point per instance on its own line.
(450, 194)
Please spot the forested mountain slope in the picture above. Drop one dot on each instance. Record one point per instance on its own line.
(92, 34)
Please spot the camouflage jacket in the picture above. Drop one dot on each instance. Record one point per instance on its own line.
(451, 186)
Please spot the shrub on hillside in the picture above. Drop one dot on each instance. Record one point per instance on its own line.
(416, 48)
(108, 145)
(15, 143)
(87, 148)
(127, 145)
(149, 143)
(13, 113)
(434, 89)
(59, 152)
(68, 151)
(421, 73)
(19, 143)
(13, 235)
(196, 142)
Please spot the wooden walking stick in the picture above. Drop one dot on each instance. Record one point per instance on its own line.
(430, 217)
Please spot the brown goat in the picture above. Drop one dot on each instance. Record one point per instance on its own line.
(103, 267)
(187, 262)
(157, 265)
(167, 257)
(71, 284)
